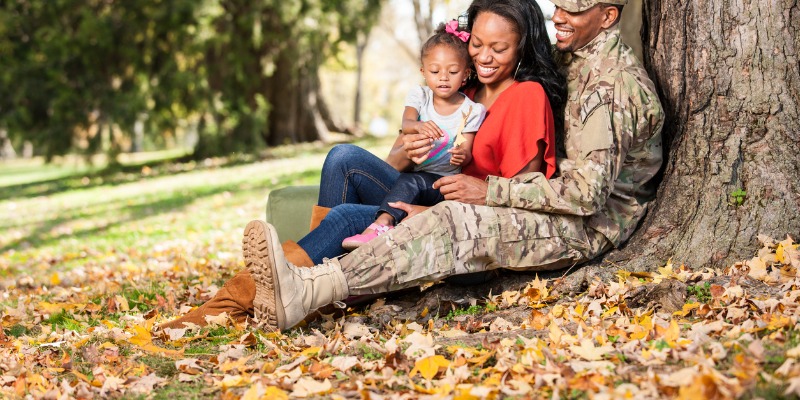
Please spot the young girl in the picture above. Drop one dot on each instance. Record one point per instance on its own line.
(440, 111)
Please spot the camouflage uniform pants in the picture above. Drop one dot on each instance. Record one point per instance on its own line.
(453, 238)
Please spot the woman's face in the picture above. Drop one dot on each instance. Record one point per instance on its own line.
(493, 47)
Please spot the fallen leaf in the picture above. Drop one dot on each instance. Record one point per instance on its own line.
(428, 367)
(306, 387)
(588, 351)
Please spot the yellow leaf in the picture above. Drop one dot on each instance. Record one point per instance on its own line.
(557, 311)
(623, 276)
(687, 308)
(608, 312)
(275, 393)
(779, 254)
(480, 360)
(579, 310)
(230, 381)
(672, 333)
(642, 329)
(142, 338)
(55, 280)
(252, 393)
(424, 313)
(428, 367)
(311, 351)
(55, 308)
(667, 270)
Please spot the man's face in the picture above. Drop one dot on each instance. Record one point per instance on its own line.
(575, 30)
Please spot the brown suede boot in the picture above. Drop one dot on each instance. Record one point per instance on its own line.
(296, 255)
(318, 213)
(235, 298)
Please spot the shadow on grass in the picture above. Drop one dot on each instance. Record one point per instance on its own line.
(170, 202)
(118, 174)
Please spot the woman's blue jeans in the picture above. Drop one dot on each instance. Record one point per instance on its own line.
(353, 184)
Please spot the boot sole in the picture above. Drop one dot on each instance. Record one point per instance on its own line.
(259, 250)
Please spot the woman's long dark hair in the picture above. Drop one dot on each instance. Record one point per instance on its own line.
(536, 57)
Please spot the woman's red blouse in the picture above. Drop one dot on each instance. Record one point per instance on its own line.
(506, 141)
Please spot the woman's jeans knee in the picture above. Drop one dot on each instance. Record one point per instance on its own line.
(353, 175)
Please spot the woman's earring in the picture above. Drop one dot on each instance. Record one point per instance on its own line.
(515, 72)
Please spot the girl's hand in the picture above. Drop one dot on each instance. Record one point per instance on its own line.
(417, 146)
(410, 209)
(459, 156)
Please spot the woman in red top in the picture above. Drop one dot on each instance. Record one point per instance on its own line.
(518, 83)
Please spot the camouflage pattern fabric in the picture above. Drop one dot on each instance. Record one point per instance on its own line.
(613, 149)
(612, 140)
(582, 5)
(453, 238)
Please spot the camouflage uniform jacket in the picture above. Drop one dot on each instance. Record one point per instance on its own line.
(612, 139)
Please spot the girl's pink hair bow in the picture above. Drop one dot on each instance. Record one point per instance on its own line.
(452, 28)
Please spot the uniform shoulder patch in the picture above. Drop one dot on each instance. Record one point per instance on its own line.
(600, 96)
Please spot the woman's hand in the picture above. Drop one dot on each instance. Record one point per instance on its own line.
(463, 188)
(417, 146)
(410, 209)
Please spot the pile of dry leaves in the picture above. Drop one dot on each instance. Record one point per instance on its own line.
(676, 332)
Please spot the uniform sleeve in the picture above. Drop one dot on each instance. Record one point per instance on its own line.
(475, 118)
(416, 98)
(584, 186)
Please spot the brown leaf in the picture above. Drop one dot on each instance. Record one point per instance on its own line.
(717, 291)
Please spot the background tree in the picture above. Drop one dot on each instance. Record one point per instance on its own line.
(730, 82)
(90, 74)
(78, 70)
(263, 62)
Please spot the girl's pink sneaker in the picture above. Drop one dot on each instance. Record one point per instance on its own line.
(356, 241)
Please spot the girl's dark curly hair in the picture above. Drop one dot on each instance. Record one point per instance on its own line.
(442, 37)
(536, 58)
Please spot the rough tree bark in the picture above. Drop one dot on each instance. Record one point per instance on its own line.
(729, 79)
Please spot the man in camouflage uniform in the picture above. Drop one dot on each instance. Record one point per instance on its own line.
(612, 137)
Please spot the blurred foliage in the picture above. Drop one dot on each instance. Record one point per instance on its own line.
(76, 71)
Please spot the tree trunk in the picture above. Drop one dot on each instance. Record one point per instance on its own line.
(361, 45)
(729, 80)
(295, 102)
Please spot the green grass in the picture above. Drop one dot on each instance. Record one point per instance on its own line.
(51, 225)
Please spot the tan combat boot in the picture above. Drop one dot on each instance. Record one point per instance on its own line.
(286, 294)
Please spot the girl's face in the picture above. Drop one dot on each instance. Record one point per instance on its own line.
(493, 48)
(445, 71)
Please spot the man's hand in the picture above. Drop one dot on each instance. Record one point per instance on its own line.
(463, 188)
(417, 146)
(410, 209)
(459, 155)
